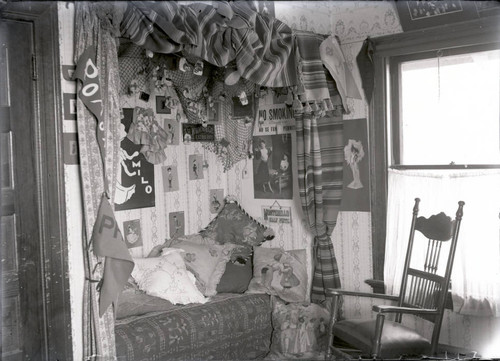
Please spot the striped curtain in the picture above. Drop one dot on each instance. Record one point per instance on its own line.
(320, 158)
(95, 26)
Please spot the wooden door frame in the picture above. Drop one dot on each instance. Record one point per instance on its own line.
(50, 174)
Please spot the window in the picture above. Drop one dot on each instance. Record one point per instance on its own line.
(435, 134)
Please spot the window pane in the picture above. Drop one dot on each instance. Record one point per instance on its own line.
(450, 109)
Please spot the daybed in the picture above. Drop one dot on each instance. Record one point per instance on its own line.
(228, 327)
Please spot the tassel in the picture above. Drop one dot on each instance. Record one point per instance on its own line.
(314, 107)
(297, 104)
(289, 98)
(329, 104)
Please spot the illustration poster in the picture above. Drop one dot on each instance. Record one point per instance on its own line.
(356, 185)
(216, 200)
(176, 224)
(272, 167)
(170, 178)
(132, 233)
(195, 166)
(135, 181)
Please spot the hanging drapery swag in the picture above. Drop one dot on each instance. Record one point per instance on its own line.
(319, 161)
(96, 29)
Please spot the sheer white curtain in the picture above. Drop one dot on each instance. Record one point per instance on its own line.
(476, 272)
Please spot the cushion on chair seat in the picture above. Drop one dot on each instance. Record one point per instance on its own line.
(396, 339)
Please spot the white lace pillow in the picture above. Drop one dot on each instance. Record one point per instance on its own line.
(206, 261)
(167, 277)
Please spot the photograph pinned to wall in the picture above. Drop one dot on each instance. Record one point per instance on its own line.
(132, 233)
(277, 214)
(162, 105)
(176, 224)
(356, 183)
(170, 178)
(69, 104)
(172, 128)
(216, 200)
(243, 106)
(195, 132)
(272, 166)
(135, 186)
(215, 113)
(423, 14)
(195, 166)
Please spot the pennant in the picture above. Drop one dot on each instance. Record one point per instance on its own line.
(90, 94)
(108, 242)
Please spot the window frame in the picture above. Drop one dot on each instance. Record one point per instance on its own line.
(482, 32)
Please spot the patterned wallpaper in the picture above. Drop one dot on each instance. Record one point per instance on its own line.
(351, 22)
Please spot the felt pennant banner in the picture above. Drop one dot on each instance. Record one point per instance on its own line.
(90, 94)
(108, 242)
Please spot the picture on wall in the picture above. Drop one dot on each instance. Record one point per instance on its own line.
(195, 166)
(356, 183)
(170, 178)
(216, 200)
(161, 105)
(70, 146)
(172, 128)
(176, 224)
(135, 187)
(272, 166)
(198, 132)
(132, 233)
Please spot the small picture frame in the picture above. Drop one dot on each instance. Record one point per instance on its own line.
(132, 233)
(161, 105)
(195, 166)
(216, 200)
(176, 224)
(241, 111)
(170, 178)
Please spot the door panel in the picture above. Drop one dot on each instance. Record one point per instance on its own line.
(22, 301)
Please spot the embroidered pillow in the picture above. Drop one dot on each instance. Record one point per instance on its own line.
(167, 277)
(280, 273)
(206, 261)
(234, 225)
(299, 329)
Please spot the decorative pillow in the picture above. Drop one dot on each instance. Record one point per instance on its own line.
(234, 225)
(236, 277)
(280, 273)
(167, 277)
(299, 329)
(206, 261)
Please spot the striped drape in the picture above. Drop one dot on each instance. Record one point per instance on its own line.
(320, 157)
(95, 26)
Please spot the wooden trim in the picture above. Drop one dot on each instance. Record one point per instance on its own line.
(446, 166)
(54, 248)
(468, 33)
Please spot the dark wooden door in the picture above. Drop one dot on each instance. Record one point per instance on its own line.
(21, 268)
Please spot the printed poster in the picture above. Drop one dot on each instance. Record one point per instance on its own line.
(135, 183)
(356, 169)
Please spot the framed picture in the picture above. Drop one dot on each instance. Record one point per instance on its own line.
(195, 132)
(243, 107)
(423, 14)
(215, 114)
(161, 105)
(132, 233)
(172, 127)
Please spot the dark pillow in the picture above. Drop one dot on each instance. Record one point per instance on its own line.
(233, 225)
(237, 277)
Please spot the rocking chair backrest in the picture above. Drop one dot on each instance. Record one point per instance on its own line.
(427, 286)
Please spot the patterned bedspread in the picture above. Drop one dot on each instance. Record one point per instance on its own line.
(228, 327)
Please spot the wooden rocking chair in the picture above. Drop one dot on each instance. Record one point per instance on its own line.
(423, 293)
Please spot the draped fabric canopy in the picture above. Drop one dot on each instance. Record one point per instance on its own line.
(261, 46)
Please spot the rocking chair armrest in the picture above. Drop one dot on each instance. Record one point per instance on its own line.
(407, 310)
(335, 292)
